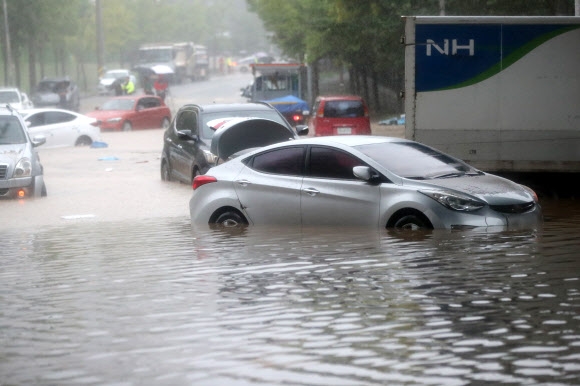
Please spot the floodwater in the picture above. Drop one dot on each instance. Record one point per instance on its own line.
(154, 301)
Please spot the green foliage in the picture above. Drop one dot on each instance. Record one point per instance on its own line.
(364, 35)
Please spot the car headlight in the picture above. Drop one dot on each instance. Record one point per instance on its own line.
(23, 168)
(114, 120)
(454, 201)
(210, 157)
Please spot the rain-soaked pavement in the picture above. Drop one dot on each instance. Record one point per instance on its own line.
(105, 282)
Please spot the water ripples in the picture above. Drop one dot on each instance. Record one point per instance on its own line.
(153, 302)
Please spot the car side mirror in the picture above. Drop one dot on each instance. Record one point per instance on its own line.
(301, 130)
(187, 135)
(365, 173)
(38, 140)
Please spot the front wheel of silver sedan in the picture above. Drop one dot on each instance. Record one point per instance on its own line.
(411, 221)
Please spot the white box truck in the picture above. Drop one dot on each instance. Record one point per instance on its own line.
(502, 93)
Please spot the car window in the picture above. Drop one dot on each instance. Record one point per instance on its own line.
(53, 117)
(118, 104)
(413, 160)
(35, 119)
(344, 109)
(9, 97)
(326, 162)
(288, 160)
(149, 103)
(273, 115)
(187, 120)
(11, 131)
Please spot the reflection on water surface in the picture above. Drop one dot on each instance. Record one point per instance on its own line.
(157, 302)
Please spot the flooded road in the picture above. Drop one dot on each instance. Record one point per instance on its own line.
(105, 282)
(154, 301)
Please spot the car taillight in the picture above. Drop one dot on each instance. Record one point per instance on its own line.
(320, 112)
(202, 180)
(296, 117)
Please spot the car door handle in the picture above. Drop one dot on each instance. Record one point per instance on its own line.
(311, 191)
(243, 182)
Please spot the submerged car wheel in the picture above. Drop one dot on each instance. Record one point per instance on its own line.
(127, 126)
(410, 219)
(84, 141)
(230, 219)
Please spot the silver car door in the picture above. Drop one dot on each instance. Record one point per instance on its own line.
(269, 187)
(331, 195)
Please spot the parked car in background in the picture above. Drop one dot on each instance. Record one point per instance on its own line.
(373, 181)
(106, 82)
(21, 173)
(186, 142)
(60, 93)
(132, 112)
(397, 120)
(15, 98)
(339, 115)
(62, 127)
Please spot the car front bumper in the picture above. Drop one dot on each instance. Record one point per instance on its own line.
(9, 188)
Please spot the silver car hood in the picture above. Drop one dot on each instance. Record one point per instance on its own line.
(11, 154)
(490, 188)
(240, 134)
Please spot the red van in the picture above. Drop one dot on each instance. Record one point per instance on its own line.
(340, 115)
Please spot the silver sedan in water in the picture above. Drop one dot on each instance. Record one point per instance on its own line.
(355, 180)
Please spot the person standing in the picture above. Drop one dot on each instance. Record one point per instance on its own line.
(160, 87)
(129, 86)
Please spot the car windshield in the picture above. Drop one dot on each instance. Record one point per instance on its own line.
(11, 131)
(52, 86)
(207, 132)
(118, 104)
(115, 75)
(343, 109)
(9, 97)
(415, 161)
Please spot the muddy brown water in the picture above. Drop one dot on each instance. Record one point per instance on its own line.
(105, 281)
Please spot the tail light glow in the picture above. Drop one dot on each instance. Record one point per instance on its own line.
(202, 180)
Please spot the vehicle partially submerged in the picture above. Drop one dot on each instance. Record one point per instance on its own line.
(234, 136)
(273, 178)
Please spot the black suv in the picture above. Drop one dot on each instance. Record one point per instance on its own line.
(187, 141)
(60, 93)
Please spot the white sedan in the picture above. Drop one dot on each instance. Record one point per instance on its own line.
(62, 127)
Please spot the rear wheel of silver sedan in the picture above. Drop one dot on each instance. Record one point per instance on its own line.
(229, 219)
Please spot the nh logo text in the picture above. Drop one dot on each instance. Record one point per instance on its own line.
(454, 47)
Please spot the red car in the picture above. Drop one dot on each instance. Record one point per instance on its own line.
(129, 112)
(340, 115)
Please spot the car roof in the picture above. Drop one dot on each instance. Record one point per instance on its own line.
(41, 110)
(7, 110)
(339, 97)
(56, 79)
(348, 140)
(247, 106)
